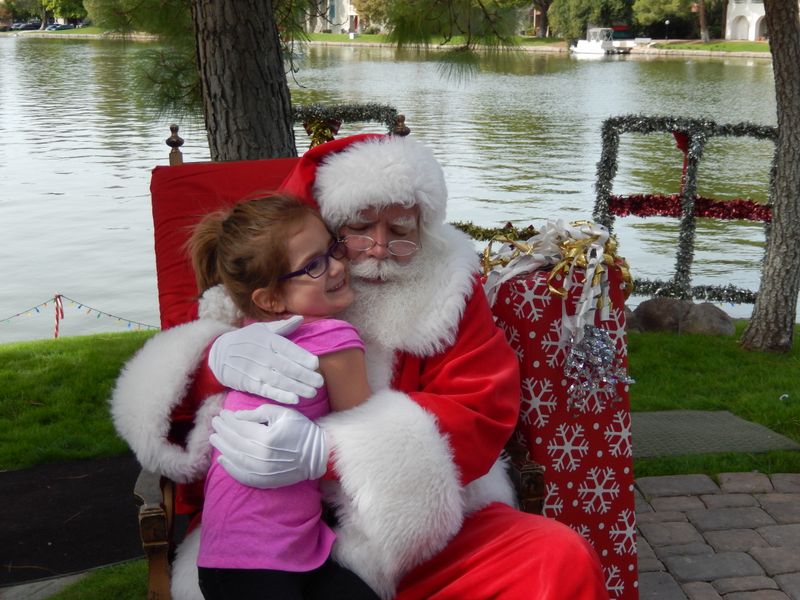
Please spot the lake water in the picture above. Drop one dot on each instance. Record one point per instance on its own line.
(519, 141)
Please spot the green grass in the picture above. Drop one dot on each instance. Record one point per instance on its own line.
(90, 30)
(695, 372)
(125, 581)
(54, 408)
(54, 398)
(717, 46)
(363, 38)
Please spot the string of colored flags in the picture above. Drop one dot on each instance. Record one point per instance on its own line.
(58, 302)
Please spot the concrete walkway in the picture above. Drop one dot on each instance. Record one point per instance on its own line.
(739, 540)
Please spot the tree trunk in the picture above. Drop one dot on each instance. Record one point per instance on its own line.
(701, 11)
(543, 6)
(772, 324)
(246, 102)
(723, 30)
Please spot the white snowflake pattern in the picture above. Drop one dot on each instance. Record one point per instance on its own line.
(584, 531)
(597, 400)
(553, 503)
(531, 300)
(598, 490)
(554, 345)
(618, 434)
(615, 326)
(512, 337)
(538, 401)
(614, 583)
(567, 447)
(623, 533)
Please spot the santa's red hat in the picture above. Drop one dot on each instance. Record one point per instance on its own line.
(349, 174)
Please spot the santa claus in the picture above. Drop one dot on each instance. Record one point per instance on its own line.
(424, 507)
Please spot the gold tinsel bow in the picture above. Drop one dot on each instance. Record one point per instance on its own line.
(563, 248)
(575, 253)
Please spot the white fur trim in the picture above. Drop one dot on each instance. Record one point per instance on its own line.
(442, 296)
(495, 486)
(376, 173)
(149, 387)
(401, 501)
(217, 305)
(184, 582)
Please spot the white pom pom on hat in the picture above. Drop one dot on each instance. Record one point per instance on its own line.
(348, 175)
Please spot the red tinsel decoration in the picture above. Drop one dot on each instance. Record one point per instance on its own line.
(648, 205)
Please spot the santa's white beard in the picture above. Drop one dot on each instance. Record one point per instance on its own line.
(387, 312)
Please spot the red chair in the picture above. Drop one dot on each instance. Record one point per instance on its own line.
(181, 195)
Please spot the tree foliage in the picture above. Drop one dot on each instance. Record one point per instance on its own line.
(570, 18)
(168, 76)
(66, 9)
(647, 12)
(374, 11)
(473, 21)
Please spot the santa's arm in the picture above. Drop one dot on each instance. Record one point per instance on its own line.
(166, 426)
(472, 389)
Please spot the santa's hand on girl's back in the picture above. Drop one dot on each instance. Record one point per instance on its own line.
(259, 360)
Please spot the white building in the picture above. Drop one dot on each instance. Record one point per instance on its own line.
(341, 16)
(745, 20)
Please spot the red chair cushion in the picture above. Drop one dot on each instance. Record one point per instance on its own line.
(181, 196)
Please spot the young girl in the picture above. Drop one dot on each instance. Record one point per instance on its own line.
(276, 258)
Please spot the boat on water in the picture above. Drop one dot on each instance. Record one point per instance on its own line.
(599, 41)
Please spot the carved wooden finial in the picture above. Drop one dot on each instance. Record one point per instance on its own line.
(175, 142)
(400, 126)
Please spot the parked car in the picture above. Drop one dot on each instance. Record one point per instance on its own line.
(26, 26)
(59, 27)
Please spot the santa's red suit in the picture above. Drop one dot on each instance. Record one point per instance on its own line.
(424, 506)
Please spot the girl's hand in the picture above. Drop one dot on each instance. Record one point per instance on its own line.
(258, 360)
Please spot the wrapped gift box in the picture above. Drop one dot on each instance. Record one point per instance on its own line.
(581, 438)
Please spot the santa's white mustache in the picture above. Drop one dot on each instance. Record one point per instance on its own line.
(372, 268)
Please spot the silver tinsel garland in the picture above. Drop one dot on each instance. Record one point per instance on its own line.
(698, 132)
(346, 113)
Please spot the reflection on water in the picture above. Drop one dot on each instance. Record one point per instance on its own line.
(519, 141)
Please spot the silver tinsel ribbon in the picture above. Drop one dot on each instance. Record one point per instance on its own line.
(592, 367)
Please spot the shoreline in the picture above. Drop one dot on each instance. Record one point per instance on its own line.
(644, 51)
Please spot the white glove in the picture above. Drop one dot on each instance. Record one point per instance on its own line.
(257, 359)
(269, 447)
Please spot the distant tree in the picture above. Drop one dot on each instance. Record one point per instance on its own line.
(570, 18)
(36, 8)
(66, 9)
(374, 11)
(648, 12)
(701, 15)
(542, 6)
(771, 326)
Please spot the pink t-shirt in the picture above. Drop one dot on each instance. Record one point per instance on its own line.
(280, 529)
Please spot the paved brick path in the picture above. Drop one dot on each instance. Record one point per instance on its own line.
(739, 540)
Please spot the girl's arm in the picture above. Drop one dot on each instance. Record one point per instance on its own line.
(345, 377)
